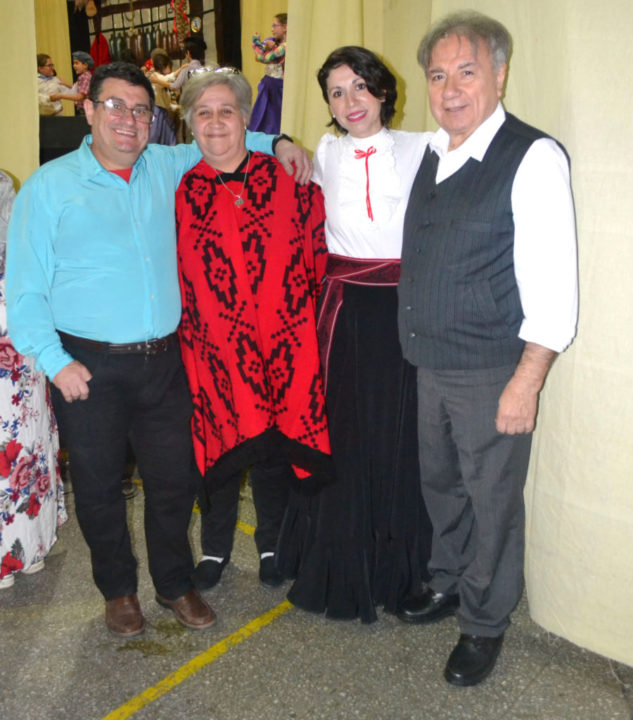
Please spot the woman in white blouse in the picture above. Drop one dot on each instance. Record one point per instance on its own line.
(364, 540)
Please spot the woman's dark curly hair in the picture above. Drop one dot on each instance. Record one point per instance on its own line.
(380, 81)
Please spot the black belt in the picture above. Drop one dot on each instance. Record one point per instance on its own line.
(146, 347)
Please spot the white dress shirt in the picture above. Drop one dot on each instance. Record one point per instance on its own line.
(545, 256)
(349, 231)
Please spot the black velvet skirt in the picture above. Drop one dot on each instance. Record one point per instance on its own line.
(364, 540)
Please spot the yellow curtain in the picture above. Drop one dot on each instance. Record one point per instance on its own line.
(391, 28)
(257, 16)
(19, 120)
(52, 37)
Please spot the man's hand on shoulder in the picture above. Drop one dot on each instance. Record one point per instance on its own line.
(294, 159)
(72, 381)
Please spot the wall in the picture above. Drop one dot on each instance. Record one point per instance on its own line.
(19, 121)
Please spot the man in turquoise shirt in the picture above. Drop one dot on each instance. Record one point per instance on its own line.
(92, 294)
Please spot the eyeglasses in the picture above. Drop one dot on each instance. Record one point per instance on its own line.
(48, 65)
(118, 109)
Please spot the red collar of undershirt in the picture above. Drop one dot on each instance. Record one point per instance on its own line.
(125, 174)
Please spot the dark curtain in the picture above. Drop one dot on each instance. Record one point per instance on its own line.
(78, 28)
(228, 33)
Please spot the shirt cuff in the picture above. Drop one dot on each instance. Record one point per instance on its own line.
(283, 136)
(556, 340)
(53, 360)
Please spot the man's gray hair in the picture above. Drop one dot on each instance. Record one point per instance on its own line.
(471, 25)
(204, 78)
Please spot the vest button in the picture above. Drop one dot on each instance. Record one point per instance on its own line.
(411, 334)
(408, 308)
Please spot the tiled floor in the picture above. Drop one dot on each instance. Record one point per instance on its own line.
(57, 660)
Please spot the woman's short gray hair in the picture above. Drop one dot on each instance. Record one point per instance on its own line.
(204, 78)
(474, 26)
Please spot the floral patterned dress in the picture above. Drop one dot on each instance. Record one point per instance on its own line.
(31, 492)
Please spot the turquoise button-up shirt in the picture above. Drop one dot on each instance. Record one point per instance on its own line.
(94, 256)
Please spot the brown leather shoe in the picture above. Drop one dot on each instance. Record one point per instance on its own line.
(123, 616)
(190, 610)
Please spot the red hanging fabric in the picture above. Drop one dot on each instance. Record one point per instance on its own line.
(100, 51)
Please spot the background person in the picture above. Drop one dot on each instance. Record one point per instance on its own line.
(195, 47)
(251, 254)
(161, 67)
(82, 65)
(368, 533)
(31, 490)
(266, 115)
(48, 84)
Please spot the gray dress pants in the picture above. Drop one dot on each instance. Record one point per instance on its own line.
(472, 482)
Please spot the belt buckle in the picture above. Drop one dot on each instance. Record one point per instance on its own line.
(150, 347)
(155, 346)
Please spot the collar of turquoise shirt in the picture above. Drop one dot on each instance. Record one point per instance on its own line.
(91, 168)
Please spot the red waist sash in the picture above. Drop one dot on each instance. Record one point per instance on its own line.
(355, 271)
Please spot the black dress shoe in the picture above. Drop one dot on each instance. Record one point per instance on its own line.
(472, 659)
(269, 575)
(428, 607)
(208, 573)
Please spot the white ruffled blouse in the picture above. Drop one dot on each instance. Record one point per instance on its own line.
(343, 176)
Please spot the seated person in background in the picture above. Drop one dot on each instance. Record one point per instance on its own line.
(49, 85)
(82, 65)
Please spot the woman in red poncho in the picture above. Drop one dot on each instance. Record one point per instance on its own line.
(251, 255)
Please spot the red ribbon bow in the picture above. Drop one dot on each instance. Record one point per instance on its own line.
(360, 154)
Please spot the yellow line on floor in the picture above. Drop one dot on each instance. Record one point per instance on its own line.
(197, 663)
(246, 529)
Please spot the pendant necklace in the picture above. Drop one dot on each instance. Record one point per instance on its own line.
(239, 201)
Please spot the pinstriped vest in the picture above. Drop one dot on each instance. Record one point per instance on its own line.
(459, 305)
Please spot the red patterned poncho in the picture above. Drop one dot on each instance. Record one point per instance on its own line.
(249, 277)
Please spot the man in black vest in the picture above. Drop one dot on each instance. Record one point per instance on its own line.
(488, 298)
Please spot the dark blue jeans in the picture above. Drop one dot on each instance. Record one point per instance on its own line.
(145, 399)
